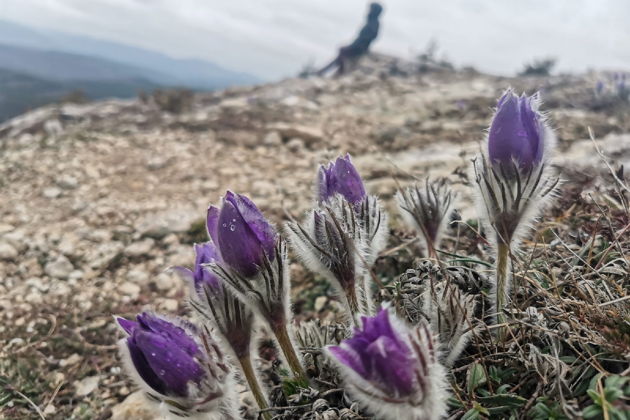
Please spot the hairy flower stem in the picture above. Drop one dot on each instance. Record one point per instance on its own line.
(254, 386)
(431, 251)
(502, 285)
(353, 303)
(284, 340)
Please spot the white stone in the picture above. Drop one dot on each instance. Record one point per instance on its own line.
(86, 385)
(137, 276)
(59, 268)
(136, 407)
(140, 249)
(51, 192)
(7, 251)
(165, 281)
(272, 138)
(130, 289)
(67, 182)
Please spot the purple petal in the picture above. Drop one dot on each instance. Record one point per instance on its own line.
(244, 235)
(350, 358)
(392, 365)
(184, 273)
(212, 223)
(255, 220)
(143, 368)
(172, 364)
(126, 325)
(322, 185)
(380, 354)
(340, 177)
(170, 331)
(205, 253)
(347, 180)
(516, 131)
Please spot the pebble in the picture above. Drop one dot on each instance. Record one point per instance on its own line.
(295, 145)
(272, 139)
(67, 182)
(139, 249)
(165, 281)
(71, 360)
(51, 192)
(136, 407)
(130, 289)
(137, 276)
(7, 251)
(86, 385)
(59, 268)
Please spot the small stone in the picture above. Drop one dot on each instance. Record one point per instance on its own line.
(157, 162)
(17, 239)
(59, 268)
(5, 227)
(86, 385)
(136, 407)
(7, 251)
(165, 281)
(320, 302)
(137, 276)
(169, 305)
(295, 144)
(140, 249)
(72, 360)
(34, 298)
(52, 192)
(130, 289)
(273, 139)
(67, 182)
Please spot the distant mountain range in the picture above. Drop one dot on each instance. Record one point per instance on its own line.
(41, 66)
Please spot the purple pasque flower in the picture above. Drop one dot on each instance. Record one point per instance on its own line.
(379, 354)
(242, 234)
(393, 370)
(199, 276)
(518, 131)
(340, 177)
(165, 356)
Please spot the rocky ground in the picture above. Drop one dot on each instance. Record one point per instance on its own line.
(97, 200)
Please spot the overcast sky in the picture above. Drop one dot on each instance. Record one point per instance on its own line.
(275, 38)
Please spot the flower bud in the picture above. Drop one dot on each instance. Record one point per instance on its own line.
(393, 370)
(177, 365)
(518, 131)
(242, 234)
(340, 177)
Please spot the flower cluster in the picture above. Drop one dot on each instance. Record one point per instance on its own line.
(240, 279)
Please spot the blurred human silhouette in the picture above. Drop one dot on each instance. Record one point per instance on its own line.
(349, 55)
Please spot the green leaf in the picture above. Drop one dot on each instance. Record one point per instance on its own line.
(509, 400)
(455, 403)
(471, 414)
(476, 376)
(591, 411)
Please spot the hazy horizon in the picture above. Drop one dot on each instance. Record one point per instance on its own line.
(275, 38)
